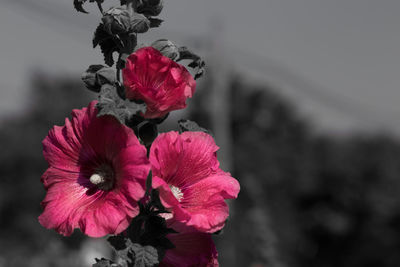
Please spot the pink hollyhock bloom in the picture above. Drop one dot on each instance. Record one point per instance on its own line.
(97, 173)
(160, 82)
(191, 184)
(191, 249)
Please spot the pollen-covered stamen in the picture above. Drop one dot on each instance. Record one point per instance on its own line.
(103, 178)
(178, 194)
(96, 179)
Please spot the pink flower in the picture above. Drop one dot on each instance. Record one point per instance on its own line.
(191, 184)
(191, 249)
(97, 173)
(160, 82)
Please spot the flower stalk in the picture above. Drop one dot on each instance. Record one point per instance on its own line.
(158, 196)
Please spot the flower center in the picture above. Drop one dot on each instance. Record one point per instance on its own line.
(103, 178)
(177, 192)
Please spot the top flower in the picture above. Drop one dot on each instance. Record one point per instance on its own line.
(160, 82)
(97, 173)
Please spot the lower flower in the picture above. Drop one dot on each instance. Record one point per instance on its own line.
(191, 249)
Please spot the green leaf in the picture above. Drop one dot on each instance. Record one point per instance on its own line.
(78, 4)
(145, 256)
(108, 44)
(105, 263)
(118, 242)
(154, 22)
(110, 103)
(134, 254)
(197, 62)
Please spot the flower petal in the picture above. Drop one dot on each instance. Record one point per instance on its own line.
(160, 82)
(84, 146)
(191, 249)
(205, 201)
(183, 159)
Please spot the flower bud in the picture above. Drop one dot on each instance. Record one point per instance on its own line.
(112, 20)
(167, 48)
(98, 75)
(161, 83)
(119, 20)
(150, 7)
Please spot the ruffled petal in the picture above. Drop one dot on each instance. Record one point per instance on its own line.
(110, 216)
(205, 201)
(160, 82)
(84, 146)
(188, 164)
(182, 160)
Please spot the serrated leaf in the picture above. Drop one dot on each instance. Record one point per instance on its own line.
(144, 256)
(110, 103)
(107, 42)
(191, 126)
(197, 62)
(118, 242)
(154, 22)
(78, 5)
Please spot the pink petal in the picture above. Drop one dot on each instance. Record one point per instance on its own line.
(74, 152)
(191, 249)
(168, 200)
(160, 82)
(183, 159)
(205, 200)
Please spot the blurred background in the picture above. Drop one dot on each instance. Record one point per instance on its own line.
(302, 96)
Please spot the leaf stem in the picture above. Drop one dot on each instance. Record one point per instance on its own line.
(100, 7)
(118, 67)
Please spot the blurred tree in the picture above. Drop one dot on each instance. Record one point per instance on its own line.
(21, 166)
(307, 199)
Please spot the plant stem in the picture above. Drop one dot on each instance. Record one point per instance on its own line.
(118, 69)
(100, 8)
(130, 4)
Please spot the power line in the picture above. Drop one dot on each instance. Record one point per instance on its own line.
(309, 88)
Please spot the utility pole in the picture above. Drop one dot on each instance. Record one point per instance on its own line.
(220, 117)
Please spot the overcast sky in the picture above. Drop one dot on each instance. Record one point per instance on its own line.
(347, 50)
